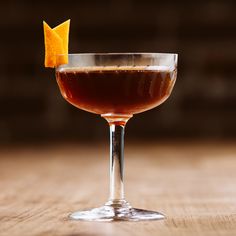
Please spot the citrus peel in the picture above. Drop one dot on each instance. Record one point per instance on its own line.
(56, 43)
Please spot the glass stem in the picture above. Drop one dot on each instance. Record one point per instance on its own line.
(117, 124)
(116, 162)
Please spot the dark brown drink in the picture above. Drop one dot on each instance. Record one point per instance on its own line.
(116, 90)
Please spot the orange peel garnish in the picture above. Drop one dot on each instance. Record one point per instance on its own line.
(56, 42)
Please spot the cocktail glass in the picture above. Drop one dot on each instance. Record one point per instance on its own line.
(117, 86)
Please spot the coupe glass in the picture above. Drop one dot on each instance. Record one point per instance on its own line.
(117, 86)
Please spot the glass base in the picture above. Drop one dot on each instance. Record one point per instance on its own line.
(113, 212)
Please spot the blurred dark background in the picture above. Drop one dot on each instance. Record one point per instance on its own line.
(203, 33)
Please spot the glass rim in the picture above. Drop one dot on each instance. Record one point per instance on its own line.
(119, 54)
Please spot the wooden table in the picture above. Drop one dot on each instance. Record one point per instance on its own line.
(194, 184)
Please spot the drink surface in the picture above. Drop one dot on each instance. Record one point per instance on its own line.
(116, 90)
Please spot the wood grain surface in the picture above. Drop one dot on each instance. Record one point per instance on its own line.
(194, 184)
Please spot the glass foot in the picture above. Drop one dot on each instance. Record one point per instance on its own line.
(111, 213)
